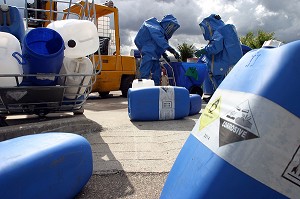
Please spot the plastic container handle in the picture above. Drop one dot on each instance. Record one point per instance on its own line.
(17, 56)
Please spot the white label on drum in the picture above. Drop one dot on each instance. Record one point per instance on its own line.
(256, 136)
(166, 103)
(42, 76)
(292, 171)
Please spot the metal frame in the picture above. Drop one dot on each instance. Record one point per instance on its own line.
(42, 100)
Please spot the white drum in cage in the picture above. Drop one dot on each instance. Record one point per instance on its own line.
(10, 51)
(76, 74)
(80, 36)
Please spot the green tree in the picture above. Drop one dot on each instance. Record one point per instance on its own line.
(256, 41)
(186, 51)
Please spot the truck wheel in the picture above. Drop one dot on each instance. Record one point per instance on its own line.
(126, 83)
(104, 94)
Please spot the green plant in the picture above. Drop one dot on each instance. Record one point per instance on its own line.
(186, 51)
(256, 41)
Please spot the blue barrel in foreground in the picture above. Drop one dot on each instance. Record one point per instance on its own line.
(49, 165)
(158, 103)
(246, 142)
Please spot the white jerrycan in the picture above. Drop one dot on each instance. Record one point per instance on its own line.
(80, 36)
(78, 73)
(10, 54)
(138, 83)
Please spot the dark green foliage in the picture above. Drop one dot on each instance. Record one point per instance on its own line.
(256, 41)
(186, 51)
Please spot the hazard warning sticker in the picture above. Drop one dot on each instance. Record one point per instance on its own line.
(237, 125)
(254, 135)
(292, 171)
(210, 113)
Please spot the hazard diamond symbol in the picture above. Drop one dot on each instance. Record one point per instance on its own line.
(237, 125)
(210, 113)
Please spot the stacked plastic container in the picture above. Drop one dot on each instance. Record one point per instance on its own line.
(54, 60)
(81, 39)
(12, 32)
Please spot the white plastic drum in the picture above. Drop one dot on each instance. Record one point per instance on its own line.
(76, 85)
(138, 83)
(80, 36)
(9, 64)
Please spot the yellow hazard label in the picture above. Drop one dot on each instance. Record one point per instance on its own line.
(210, 113)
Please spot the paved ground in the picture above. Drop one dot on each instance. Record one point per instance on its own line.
(131, 159)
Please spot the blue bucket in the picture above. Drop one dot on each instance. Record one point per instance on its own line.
(43, 51)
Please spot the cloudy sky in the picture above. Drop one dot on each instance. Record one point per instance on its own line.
(278, 16)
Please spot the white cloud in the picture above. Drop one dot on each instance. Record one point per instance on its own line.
(275, 16)
(280, 17)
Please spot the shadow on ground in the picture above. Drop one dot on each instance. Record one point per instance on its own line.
(112, 102)
(108, 179)
(185, 124)
(31, 124)
(124, 185)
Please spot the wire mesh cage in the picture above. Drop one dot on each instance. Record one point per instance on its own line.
(61, 88)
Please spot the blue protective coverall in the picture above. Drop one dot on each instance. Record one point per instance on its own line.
(223, 50)
(152, 41)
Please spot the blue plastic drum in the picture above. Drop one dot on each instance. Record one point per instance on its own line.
(158, 103)
(43, 52)
(246, 142)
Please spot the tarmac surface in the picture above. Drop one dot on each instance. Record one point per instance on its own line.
(131, 159)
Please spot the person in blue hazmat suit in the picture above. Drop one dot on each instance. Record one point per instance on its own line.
(152, 41)
(222, 52)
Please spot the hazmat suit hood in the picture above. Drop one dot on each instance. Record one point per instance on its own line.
(170, 25)
(209, 25)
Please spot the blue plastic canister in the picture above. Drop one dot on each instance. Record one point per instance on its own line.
(43, 52)
(246, 143)
(158, 103)
(48, 165)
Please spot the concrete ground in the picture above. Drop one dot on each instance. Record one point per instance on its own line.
(131, 159)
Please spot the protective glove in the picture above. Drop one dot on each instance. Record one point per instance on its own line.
(200, 52)
(165, 56)
(171, 50)
(176, 54)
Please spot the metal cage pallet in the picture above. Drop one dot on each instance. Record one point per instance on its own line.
(39, 99)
